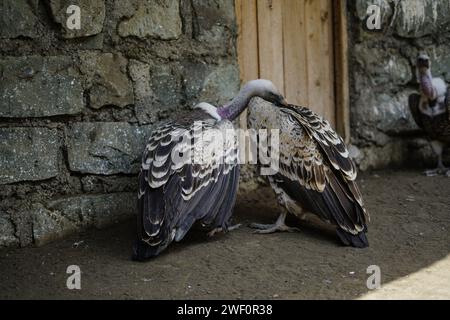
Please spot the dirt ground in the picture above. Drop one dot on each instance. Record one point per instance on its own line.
(408, 232)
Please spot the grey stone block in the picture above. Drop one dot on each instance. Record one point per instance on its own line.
(166, 85)
(64, 216)
(212, 18)
(158, 89)
(215, 84)
(28, 154)
(95, 210)
(48, 225)
(440, 65)
(92, 16)
(18, 18)
(386, 112)
(383, 66)
(34, 86)
(7, 233)
(367, 158)
(418, 18)
(143, 92)
(107, 79)
(155, 19)
(107, 147)
(384, 5)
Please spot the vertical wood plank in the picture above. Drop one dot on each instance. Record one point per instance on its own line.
(247, 44)
(341, 70)
(295, 63)
(326, 16)
(319, 58)
(270, 38)
(313, 48)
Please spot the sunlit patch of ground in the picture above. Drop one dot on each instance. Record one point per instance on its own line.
(432, 282)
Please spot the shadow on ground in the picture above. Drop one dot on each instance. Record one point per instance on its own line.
(409, 230)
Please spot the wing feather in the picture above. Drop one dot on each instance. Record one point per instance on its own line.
(174, 194)
(330, 142)
(333, 150)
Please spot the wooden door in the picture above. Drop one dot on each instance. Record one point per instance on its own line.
(299, 45)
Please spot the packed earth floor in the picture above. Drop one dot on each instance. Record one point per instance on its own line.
(408, 234)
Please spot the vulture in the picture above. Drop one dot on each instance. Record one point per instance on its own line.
(315, 173)
(190, 172)
(431, 111)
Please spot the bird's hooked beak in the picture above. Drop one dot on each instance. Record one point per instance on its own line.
(423, 62)
(282, 102)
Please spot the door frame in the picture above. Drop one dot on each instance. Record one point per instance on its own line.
(249, 67)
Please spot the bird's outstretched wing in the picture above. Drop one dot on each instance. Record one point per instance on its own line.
(413, 103)
(188, 173)
(318, 172)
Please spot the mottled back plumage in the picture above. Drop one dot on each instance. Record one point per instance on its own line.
(316, 174)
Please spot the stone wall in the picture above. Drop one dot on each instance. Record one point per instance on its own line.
(76, 106)
(382, 75)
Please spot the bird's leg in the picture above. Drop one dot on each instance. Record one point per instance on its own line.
(440, 169)
(234, 226)
(279, 225)
(220, 229)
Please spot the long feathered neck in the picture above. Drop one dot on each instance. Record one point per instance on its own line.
(233, 109)
(426, 84)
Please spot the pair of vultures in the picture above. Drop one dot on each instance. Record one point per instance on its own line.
(315, 175)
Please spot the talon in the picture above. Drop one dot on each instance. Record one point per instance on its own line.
(220, 229)
(277, 226)
(213, 232)
(431, 173)
(292, 229)
(271, 228)
(437, 171)
(234, 227)
(264, 231)
(260, 226)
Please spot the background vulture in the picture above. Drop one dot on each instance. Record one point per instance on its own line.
(431, 110)
(175, 193)
(315, 174)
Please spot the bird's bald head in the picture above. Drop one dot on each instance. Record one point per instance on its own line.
(423, 61)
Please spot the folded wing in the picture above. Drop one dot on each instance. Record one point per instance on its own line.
(188, 173)
(316, 171)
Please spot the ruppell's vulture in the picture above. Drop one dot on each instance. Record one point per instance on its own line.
(315, 172)
(431, 111)
(177, 190)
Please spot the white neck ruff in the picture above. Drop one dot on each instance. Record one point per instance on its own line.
(209, 109)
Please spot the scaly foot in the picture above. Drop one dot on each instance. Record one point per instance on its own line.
(437, 171)
(220, 229)
(271, 228)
